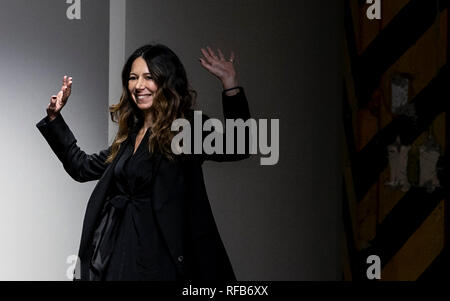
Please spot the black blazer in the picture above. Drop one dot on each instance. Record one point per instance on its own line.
(180, 201)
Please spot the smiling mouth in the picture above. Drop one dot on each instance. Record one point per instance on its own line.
(142, 96)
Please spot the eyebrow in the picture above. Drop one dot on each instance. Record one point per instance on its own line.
(132, 73)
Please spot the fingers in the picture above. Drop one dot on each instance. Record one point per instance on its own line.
(211, 57)
(64, 83)
(59, 96)
(219, 66)
(211, 53)
(68, 85)
(58, 101)
(66, 89)
(232, 57)
(206, 65)
(67, 82)
(207, 56)
(221, 56)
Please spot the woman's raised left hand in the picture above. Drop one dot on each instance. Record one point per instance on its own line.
(220, 67)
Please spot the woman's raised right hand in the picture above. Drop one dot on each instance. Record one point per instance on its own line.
(58, 101)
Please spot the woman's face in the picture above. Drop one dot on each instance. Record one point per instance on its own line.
(141, 85)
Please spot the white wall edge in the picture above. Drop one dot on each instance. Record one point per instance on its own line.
(117, 28)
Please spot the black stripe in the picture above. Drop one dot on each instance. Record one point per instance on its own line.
(350, 35)
(348, 227)
(346, 110)
(348, 128)
(438, 269)
(349, 231)
(373, 158)
(351, 147)
(393, 41)
(446, 167)
(402, 221)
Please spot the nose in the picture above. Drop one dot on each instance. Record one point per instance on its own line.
(140, 84)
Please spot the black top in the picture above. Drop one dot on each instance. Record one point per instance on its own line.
(128, 244)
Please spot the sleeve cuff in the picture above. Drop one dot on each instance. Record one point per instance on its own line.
(56, 132)
(235, 106)
(46, 121)
(239, 88)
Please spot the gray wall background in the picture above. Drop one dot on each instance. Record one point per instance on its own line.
(42, 207)
(278, 222)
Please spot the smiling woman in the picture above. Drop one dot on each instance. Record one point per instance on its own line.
(155, 91)
(141, 85)
(149, 217)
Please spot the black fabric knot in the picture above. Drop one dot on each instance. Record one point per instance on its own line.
(120, 201)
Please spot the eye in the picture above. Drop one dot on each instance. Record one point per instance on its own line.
(132, 77)
(148, 77)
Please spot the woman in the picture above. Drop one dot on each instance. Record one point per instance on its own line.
(148, 217)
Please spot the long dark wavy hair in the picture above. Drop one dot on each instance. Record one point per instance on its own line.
(173, 99)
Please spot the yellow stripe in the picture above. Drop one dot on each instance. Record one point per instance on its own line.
(367, 218)
(419, 251)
